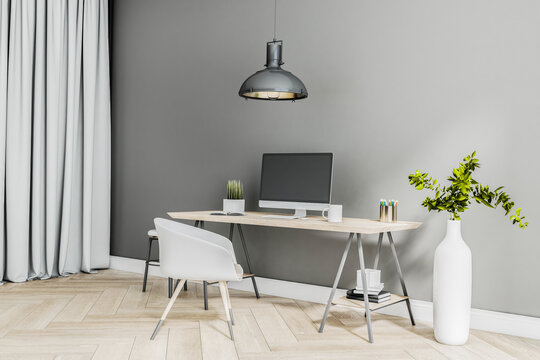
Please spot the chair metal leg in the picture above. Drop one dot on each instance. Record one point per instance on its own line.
(229, 302)
(147, 265)
(185, 286)
(364, 283)
(205, 294)
(338, 275)
(170, 285)
(156, 330)
(223, 291)
(403, 287)
(168, 308)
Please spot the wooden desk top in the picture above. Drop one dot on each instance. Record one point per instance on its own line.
(349, 225)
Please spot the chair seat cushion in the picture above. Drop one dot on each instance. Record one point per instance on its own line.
(152, 233)
(239, 271)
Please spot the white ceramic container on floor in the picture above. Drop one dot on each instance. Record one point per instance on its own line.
(452, 287)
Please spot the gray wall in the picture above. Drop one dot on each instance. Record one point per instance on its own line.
(394, 86)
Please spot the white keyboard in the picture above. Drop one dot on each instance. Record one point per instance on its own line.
(290, 217)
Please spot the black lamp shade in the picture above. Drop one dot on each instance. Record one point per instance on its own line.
(273, 83)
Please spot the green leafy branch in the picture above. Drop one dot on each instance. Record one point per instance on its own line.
(457, 197)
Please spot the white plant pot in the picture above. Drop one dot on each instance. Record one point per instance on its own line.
(233, 206)
(452, 287)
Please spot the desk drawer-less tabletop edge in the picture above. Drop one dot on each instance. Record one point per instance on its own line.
(352, 226)
(348, 225)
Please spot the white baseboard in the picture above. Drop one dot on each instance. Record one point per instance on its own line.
(503, 323)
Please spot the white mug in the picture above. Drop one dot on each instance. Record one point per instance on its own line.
(335, 213)
(373, 278)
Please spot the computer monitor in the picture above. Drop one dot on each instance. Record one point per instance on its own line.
(299, 181)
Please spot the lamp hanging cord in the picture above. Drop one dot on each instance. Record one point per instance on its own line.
(275, 16)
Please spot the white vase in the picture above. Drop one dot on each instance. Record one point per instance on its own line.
(233, 206)
(452, 287)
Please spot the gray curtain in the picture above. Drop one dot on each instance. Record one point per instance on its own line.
(54, 138)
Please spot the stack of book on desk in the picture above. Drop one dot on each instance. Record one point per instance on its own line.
(376, 294)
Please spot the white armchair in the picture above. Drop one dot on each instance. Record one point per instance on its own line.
(190, 253)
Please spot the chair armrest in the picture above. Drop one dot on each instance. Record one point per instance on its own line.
(219, 240)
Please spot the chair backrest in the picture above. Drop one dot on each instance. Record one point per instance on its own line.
(187, 252)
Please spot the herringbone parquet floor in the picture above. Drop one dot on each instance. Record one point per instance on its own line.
(106, 316)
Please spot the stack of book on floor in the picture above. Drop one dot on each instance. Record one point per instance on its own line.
(376, 294)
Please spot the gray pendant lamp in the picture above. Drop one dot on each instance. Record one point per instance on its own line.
(273, 83)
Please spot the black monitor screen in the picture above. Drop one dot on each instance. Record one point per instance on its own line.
(297, 177)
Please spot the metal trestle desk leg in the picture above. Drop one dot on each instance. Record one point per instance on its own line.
(364, 283)
(393, 247)
(205, 283)
(338, 275)
(377, 254)
(363, 272)
(246, 253)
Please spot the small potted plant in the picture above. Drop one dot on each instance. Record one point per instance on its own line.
(234, 203)
(452, 267)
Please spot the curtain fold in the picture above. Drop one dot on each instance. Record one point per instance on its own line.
(54, 138)
(4, 44)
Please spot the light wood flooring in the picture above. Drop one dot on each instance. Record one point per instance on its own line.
(106, 316)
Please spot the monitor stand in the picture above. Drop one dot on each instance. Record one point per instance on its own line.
(298, 214)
